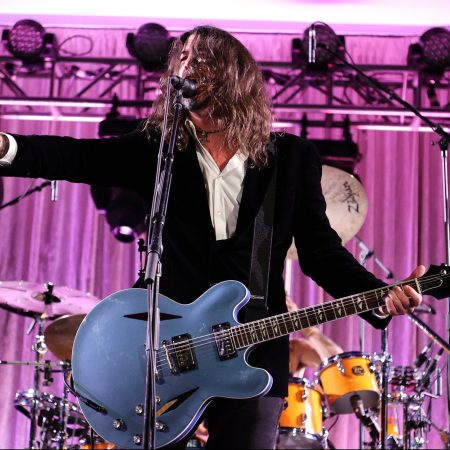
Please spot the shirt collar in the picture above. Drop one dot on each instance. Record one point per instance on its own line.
(240, 157)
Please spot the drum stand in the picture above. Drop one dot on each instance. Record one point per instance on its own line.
(61, 435)
(39, 348)
(386, 359)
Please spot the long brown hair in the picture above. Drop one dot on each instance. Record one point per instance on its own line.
(231, 83)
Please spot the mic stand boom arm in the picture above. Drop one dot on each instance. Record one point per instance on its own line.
(445, 137)
(153, 273)
(443, 145)
(429, 332)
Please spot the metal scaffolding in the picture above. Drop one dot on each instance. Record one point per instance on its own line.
(82, 88)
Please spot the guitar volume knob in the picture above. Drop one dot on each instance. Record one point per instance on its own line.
(118, 424)
(161, 426)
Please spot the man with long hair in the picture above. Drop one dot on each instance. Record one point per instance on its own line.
(221, 172)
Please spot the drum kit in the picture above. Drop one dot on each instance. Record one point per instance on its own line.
(347, 383)
(350, 383)
(55, 421)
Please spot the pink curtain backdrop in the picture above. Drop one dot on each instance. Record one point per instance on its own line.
(68, 242)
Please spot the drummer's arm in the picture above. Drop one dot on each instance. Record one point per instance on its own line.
(302, 353)
(323, 345)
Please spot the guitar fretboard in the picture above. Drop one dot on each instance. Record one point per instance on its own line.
(283, 324)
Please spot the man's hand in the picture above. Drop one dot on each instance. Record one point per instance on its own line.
(4, 145)
(403, 301)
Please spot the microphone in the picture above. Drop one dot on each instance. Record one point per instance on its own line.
(312, 44)
(54, 188)
(423, 355)
(431, 366)
(187, 87)
(366, 419)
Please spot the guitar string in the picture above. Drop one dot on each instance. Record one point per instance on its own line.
(330, 306)
(242, 331)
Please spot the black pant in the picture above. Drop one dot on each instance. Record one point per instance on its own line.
(242, 424)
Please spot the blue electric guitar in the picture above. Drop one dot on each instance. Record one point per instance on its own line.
(202, 354)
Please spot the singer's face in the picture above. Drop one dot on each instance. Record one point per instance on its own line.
(189, 68)
(186, 57)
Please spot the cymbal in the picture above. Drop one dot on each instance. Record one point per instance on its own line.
(60, 334)
(27, 298)
(346, 204)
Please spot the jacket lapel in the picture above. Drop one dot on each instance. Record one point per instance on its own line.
(255, 186)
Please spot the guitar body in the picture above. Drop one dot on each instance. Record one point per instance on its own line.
(109, 363)
(202, 354)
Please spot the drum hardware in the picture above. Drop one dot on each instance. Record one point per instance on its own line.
(49, 409)
(408, 391)
(44, 299)
(39, 349)
(366, 419)
(56, 417)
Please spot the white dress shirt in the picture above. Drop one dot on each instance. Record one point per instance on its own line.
(7, 160)
(224, 188)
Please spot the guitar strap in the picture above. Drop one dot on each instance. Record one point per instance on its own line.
(258, 282)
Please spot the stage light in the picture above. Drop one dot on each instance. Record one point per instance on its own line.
(432, 52)
(126, 214)
(436, 47)
(328, 42)
(28, 41)
(431, 55)
(150, 45)
(343, 153)
(124, 209)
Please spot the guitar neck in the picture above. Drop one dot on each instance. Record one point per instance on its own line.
(283, 324)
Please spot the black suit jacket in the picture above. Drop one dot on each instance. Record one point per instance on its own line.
(192, 259)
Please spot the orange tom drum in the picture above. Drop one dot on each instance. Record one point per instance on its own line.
(301, 420)
(99, 444)
(348, 374)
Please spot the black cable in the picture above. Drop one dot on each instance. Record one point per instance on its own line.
(26, 193)
(67, 52)
(334, 423)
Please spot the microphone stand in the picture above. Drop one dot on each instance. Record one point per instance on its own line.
(444, 140)
(153, 273)
(386, 358)
(27, 193)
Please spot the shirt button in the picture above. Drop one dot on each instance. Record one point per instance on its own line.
(219, 213)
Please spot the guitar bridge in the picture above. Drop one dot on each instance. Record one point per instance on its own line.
(224, 343)
(182, 354)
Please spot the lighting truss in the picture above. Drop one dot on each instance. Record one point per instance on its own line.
(82, 88)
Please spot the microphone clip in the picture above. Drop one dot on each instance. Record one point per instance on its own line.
(186, 87)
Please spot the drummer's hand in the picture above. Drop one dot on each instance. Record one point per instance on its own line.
(399, 301)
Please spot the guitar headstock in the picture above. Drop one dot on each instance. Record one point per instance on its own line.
(436, 281)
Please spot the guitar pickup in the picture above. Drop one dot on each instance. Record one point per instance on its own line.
(182, 354)
(224, 343)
